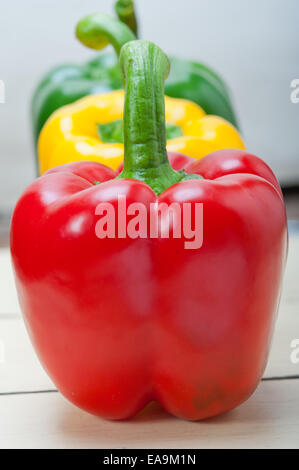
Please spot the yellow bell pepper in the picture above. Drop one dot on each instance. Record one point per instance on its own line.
(72, 132)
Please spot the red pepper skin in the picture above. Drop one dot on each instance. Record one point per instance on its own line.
(120, 322)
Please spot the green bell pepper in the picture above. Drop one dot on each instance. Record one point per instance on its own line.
(67, 83)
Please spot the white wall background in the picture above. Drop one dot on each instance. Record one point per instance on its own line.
(254, 44)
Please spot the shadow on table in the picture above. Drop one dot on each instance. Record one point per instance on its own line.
(154, 427)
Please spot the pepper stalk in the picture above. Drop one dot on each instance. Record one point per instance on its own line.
(98, 30)
(125, 10)
(145, 67)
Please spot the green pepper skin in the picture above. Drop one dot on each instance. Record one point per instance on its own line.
(198, 83)
(68, 83)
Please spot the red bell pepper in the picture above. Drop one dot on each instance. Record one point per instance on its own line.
(118, 322)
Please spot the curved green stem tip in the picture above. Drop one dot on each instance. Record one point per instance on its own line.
(98, 30)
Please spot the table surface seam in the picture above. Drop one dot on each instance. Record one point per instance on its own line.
(32, 392)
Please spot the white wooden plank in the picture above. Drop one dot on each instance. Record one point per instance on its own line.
(20, 369)
(287, 326)
(269, 419)
(8, 295)
(286, 331)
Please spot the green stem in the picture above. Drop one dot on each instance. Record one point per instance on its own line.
(125, 11)
(145, 67)
(98, 30)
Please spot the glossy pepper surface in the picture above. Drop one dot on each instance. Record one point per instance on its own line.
(92, 128)
(67, 83)
(118, 322)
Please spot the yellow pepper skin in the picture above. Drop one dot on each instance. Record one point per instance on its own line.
(71, 134)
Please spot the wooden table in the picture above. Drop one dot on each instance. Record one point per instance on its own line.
(34, 415)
